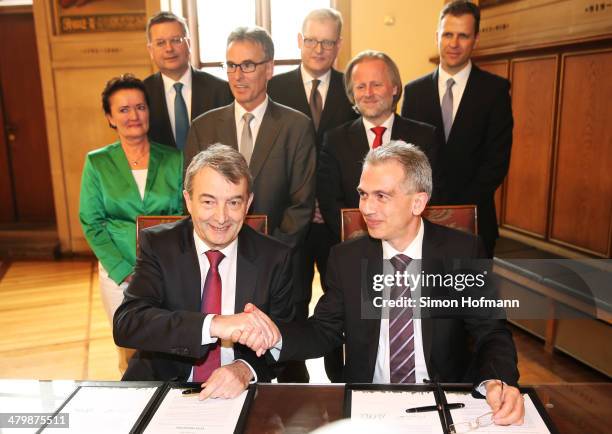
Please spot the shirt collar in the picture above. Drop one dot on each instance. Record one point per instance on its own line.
(414, 249)
(307, 77)
(460, 78)
(169, 83)
(258, 112)
(202, 247)
(388, 123)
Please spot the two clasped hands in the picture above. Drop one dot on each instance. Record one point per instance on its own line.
(252, 328)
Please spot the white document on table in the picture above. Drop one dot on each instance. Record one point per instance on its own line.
(186, 414)
(533, 424)
(388, 410)
(105, 409)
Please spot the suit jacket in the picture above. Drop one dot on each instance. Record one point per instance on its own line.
(110, 202)
(341, 161)
(474, 161)
(282, 164)
(208, 92)
(288, 89)
(339, 317)
(160, 314)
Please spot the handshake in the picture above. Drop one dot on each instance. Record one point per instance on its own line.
(252, 328)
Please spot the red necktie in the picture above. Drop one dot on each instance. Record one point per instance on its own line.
(211, 303)
(379, 131)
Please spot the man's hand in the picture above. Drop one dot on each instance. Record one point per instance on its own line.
(251, 327)
(507, 403)
(258, 339)
(227, 381)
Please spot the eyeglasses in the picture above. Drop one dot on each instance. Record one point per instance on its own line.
(472, 425)
(246, 66)
(326, 44)
(175, 42)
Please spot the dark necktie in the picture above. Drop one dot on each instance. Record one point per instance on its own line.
(379, 131)
(447, 107)
(316, 103)
(211, 303)
(401, 331)
(181, 118)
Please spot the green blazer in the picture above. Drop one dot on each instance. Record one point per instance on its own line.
(110, 202)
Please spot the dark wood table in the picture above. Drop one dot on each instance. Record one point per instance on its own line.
(575, 408)
(580, 408)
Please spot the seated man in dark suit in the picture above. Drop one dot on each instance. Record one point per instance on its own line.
(373, 84)
(177, 93)
(398, 347)
(194, 274)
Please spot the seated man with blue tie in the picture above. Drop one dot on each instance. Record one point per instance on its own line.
(403, 347)
(194, 274)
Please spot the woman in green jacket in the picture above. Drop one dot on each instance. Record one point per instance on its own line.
(121, 181)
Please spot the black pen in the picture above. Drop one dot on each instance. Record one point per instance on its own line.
(434, 408)
(191, 391)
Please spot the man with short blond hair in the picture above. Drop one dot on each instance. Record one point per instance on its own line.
(316, 89)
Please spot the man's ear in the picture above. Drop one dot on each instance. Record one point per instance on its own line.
(187, 200)
(419, 203)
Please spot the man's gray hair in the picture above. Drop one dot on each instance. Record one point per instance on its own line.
(166, 17)
(416, 166)
(324, 14)
(392, 69)
(224, 159)
(256, 35)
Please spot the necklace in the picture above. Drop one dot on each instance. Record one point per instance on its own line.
(136, 161)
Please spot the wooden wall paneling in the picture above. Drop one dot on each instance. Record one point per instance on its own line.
(7, 210)
(528, 182)
(582, 187)
(497, 67)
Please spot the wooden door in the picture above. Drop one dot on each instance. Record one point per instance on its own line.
(25, 177)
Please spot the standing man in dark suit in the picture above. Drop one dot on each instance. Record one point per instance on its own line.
(317, 90)
(177, 93)
(277, 141)
(192, 276)
(472, 112)
(373, 84)
(401, 344)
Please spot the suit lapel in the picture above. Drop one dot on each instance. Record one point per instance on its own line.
(467, 105)
(160, 93)
(435, 107)
(226, 127)
(246, 271)
(358, 137)
(189, 269)
(431, 255)
(154, 162)
(266, 137)
(197, 93)
(374, 265)
(332, 100)
(300, 99)
(122, 166)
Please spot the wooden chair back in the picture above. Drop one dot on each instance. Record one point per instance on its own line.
(461, 217)
(259, 222)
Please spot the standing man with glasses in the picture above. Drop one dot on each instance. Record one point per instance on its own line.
(317, 90)
(277, 142)
(177, 93)
(471, 110)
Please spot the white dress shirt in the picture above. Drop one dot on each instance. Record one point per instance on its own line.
(382, 370)
(258, 114)
(170, 93)
(458, 88)
(227, 271)
(323, 85)
(386, 138)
